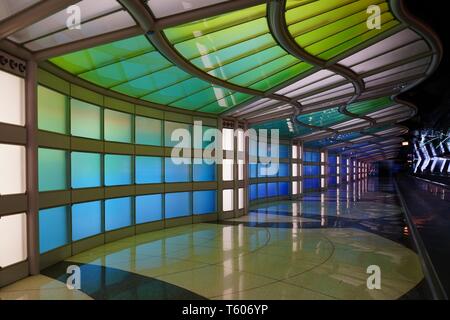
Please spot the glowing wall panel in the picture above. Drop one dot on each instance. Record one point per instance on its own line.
(272, 189)
(283, 170)
(204, 172)
(53, 228)
(118, 126)
(12, 169)
(178, 204)
(228, 200)
(118, 169)
(86, 220)
(148, 131)
(174, 137)
(118, 213)
(12, 91)
(149, 208)
(204, 201)
(52, 111)
(253, 192)
(175, 172)
(86, 170)
(52, 169)
(148, 170)
(85, 119)
(13, 239)
(283, 188)
(262, 190)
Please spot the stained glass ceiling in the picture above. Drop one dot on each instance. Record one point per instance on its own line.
(314, 69)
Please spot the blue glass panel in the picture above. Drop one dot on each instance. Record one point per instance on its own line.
(148, 131)
(86, 219)
(148, 208)
(262, 190)
(253, 170)
(253, 192)
(311, 184)
(148, 170)
(118, 213)
(86, 170)
(52, 169)
(311, 156)
(283, 170)
(177, 172)
(118, 170)
(332, 181)
(311, 170)
(204, 172)
(332, 159)
(204, 201)
(272, 189)
(283, 188)
(178, 204)
(53, 228)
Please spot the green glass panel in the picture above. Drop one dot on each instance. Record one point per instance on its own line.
(321, 14)
(85, 119)
(85, 60)
(86, 170)
(52, 111)
(365, 107)
(204, 97)
(52, 165)
(177, 91)
(224, 104)
(281, 77)
(148, 131)
(323, 118)
(242, 52)
(145, 85)
(329, 28)
(117, 73)
(118, 126)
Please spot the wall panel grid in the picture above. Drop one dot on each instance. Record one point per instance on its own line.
(106, 166)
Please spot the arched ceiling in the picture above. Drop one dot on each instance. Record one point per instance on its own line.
(311, 68)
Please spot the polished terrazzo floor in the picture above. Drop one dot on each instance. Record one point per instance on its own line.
(317, 248)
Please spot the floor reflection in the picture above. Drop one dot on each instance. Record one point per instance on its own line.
(317, 248)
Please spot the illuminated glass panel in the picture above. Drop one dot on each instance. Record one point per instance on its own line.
(149, 76)
(178, 204)
(311, 184)
(148, 170)
(12, 169)
(85, 119)
(52, 169)
(13, 239)
(204, 201)
(204, 172)
(177, 172)
(118, 126)
(272, 189)
(227, 200)
(149, 208)
(118, 213)
(52, 111)
(311, 156)
(220, 46)
(86, 220)
(86, 170)
(118, 170)
(12, 91)
(328, 28)
(148, 131)
(177, 134)
(283, 188)
(283, 170)
(53, 228)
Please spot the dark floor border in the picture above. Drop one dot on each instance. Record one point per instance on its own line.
(435, 285)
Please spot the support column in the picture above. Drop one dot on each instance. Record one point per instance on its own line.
(32, 167)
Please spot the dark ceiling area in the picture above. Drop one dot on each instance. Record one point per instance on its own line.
(432, 97)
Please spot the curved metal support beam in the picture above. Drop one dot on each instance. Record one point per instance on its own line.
(279, 29)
